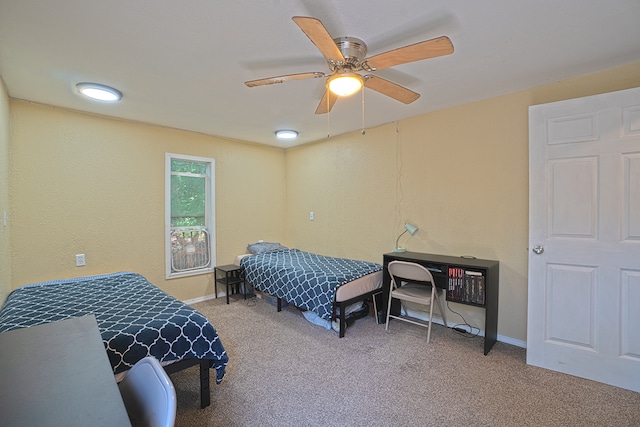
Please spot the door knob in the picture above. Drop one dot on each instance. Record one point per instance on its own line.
(538, 249)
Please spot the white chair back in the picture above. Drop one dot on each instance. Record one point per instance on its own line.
(149, 395)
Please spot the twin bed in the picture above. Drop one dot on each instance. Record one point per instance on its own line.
(135, 318)
(321, 284)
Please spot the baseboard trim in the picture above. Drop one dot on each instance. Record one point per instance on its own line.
(501, 338)
(202, 299)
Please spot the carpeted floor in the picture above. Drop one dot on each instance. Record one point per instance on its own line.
(285, 371)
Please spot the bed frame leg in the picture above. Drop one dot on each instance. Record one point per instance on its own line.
(341, 317)
(279, 304)
(342, 305)
(205, 396)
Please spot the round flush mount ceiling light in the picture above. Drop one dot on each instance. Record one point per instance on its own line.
(286, 134)
(99, 92)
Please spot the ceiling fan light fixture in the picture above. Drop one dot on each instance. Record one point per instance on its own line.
(286, 134)
(345, 84)
(99, 92)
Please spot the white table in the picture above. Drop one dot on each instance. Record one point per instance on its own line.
(58, 374)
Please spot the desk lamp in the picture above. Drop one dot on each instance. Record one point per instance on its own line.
(411, 229)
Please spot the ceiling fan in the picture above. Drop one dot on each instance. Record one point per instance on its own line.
(346, 56)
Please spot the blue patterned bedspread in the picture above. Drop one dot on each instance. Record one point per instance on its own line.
(135, 318)
(308, 281)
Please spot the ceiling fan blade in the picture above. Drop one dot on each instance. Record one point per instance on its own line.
(282, 79)
(392, 90)
(319, 36)
(415, 52)
(327, 102)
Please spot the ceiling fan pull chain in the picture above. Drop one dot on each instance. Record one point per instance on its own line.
(362, 90)
(328, 117)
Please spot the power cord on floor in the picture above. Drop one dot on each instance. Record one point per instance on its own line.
(252, 300)
(459, 328)
(252, 295)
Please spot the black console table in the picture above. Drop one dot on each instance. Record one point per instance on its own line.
(444, 270)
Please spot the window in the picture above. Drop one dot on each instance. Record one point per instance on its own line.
(190, 222)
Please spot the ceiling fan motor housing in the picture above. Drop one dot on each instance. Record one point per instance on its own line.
(352, 49)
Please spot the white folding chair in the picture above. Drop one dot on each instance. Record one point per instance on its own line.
(148, 394)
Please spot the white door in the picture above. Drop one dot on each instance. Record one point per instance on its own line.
(584, 238)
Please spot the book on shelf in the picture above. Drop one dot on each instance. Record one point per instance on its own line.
(466, 286)
(472, 288)
(481, 290)
(456, 286)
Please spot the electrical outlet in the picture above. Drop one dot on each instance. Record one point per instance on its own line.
(80, 260)
(311, 216)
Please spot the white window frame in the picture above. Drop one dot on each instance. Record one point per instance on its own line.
(209, 214)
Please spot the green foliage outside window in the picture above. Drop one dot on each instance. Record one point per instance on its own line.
(188, 167)
(188, 199)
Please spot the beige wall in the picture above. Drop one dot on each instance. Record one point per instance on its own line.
(87, 184)
(93, 185)
(460, 175)
(5, 235)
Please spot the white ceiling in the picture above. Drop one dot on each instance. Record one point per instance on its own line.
(183, 64)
